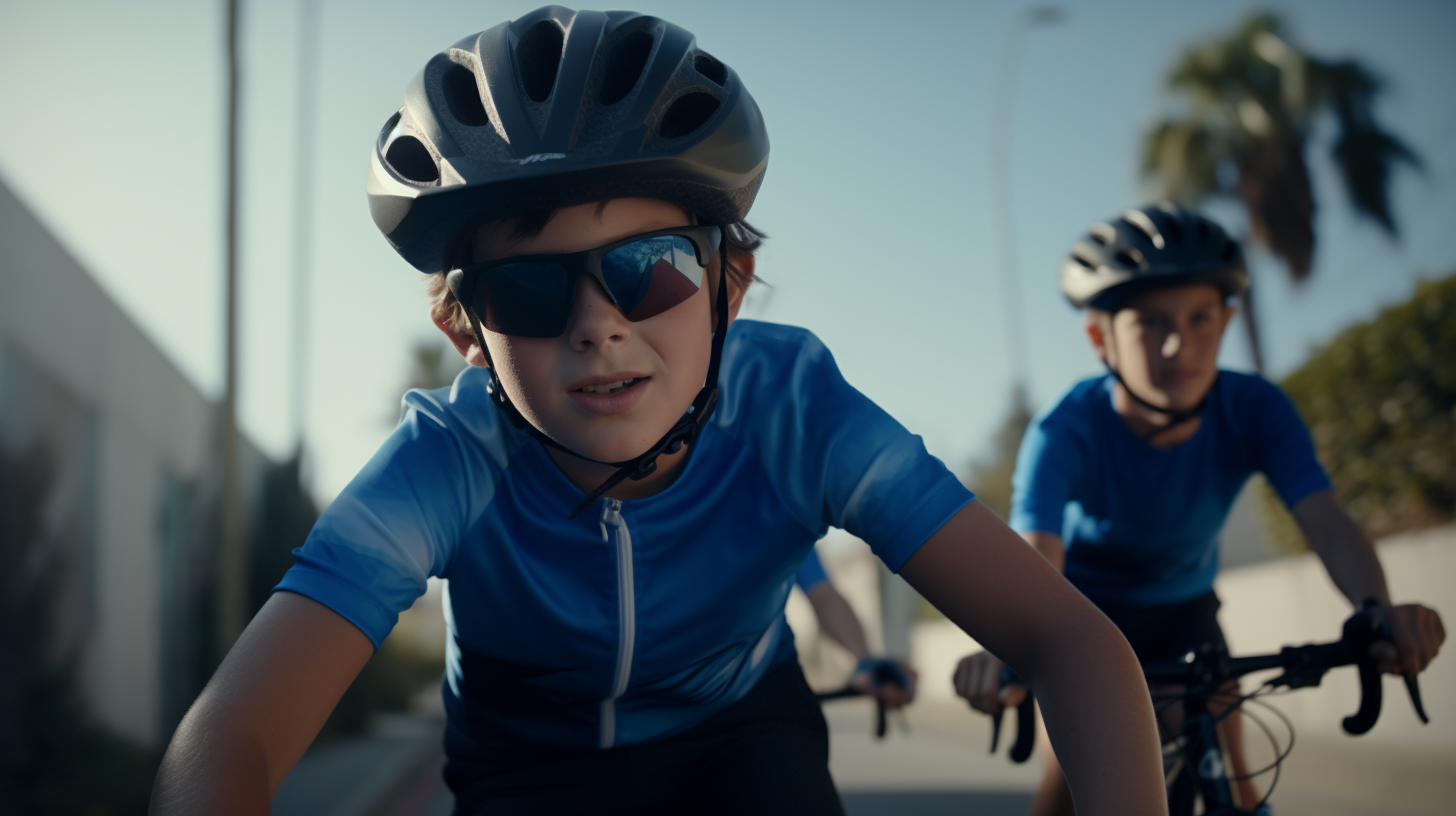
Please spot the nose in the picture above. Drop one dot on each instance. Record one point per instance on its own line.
(595, 319)
(1172, 345)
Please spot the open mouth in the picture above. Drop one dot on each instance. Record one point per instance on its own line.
(610, 388)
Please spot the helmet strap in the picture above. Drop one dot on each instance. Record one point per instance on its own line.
(1175, 416)
(684, 432)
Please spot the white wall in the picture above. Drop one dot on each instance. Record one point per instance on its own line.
(150, 418)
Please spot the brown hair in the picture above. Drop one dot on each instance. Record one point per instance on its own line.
(739, 239)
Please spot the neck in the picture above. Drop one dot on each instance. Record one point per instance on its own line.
(1148, 423)
(587, 475)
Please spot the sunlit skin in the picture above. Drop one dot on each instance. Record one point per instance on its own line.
(668, 353)
(1164, 343)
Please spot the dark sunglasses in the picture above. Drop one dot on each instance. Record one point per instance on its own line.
(532, 295)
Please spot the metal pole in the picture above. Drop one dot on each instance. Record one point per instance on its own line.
(232, 555)
(308, 37)
(1002, 205)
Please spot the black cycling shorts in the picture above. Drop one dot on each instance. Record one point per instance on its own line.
(1168, 631)
(766, 753)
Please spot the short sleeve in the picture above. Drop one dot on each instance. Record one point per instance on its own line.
(395, 525)
(811, 573)
(1046, 468)
(833, 455)
(1283, 448)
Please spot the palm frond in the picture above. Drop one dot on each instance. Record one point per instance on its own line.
(1364, 153)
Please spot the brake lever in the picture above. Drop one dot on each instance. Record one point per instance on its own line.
(1025, 730)
(1025, 721)
(1361, 630)
(1413, 687)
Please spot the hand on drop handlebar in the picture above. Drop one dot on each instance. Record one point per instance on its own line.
(1417, 633)
(978, 679)
(889, 679)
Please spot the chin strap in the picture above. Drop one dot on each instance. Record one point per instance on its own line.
(684, 432)
(1175, 416)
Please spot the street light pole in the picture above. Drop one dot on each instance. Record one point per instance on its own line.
(232, 567)
(308, 37)
(1002, 204)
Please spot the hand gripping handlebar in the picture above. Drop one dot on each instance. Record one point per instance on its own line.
(1204, 671)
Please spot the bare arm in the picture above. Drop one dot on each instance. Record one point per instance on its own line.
(1350, 559)
(260, 711)
(978, 676)
(838, 619)
(1090, 687)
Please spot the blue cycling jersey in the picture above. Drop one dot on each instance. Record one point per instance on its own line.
(639, 618)
(810, 573)
(1140, 524)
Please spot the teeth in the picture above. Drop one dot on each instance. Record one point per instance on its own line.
(607, 388)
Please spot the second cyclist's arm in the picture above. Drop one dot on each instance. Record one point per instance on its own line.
(1342, 546)
(837, 619)
(1085, 676)
(261, 709)
(1350, 559)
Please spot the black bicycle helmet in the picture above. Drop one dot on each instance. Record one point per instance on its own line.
(1155, 245)
(558, 108)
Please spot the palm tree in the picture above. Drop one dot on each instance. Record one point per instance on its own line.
(1250, 101)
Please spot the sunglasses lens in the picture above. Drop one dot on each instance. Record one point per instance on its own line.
(650, 276)
(529, 299)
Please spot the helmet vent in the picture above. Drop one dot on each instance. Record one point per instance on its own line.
(687, 114)
(463, 97)
(711, 69)
(1174, 230)
(1086, 264)
(1144, 226)
(410, 159)
(1129, 258)
(538, 55)
(624, 66)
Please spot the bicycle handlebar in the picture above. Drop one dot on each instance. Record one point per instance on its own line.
(1303, 666)
(883, 673)
(1020, 749)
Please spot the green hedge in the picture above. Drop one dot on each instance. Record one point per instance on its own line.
(1380, 400)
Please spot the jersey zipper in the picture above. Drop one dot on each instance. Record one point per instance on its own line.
(626, 615)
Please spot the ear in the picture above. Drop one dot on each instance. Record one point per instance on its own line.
(464, 343)
(744, 265)
(1092, 326)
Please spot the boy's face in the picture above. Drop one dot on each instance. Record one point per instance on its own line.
(1164, 342)
(608, 387)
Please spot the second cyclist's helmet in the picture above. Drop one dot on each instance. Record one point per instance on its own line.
(556, 108)
(1153, 246)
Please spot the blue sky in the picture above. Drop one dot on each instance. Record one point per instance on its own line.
(876, 196)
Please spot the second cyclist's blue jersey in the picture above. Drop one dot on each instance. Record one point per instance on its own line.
(810, 573)
(640, 618)
(1140, 524)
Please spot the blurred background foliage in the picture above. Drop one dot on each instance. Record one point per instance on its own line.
(1380, 400)
(989, 476)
